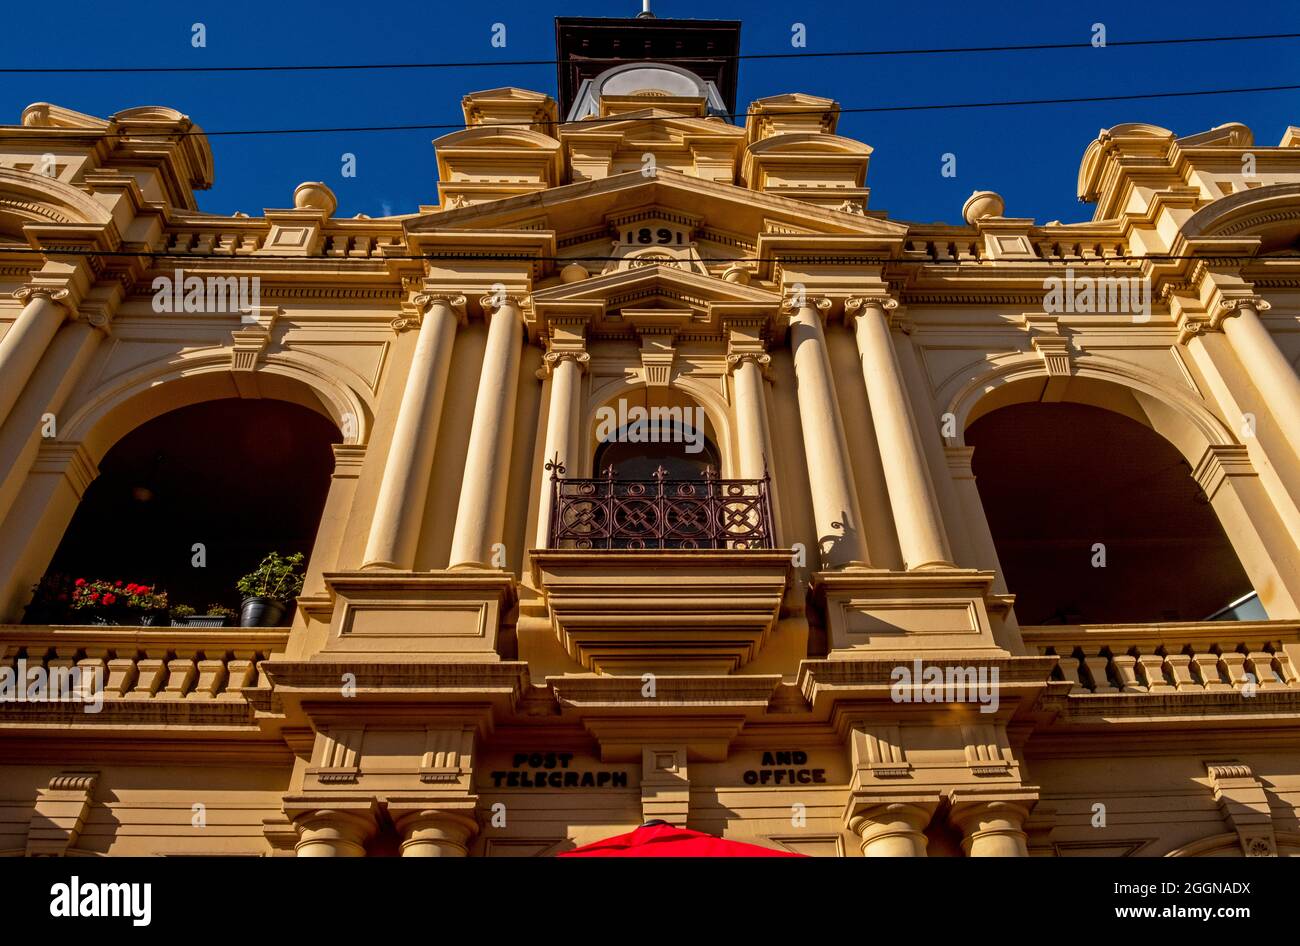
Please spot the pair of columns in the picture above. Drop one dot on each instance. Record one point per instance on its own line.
(403, 492)
(835, 505)
(344, 831)
(989, 828)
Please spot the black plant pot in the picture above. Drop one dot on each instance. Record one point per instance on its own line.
(260, 612)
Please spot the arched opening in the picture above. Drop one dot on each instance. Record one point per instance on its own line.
(653, 429)
(1097, 520)
(191, 500)
(656, 483)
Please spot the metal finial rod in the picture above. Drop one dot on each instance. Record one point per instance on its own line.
(645, 10)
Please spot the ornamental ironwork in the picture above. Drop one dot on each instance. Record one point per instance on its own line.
(607, 512)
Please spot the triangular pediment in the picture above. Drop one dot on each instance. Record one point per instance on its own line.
(696, 305)
(573, 211)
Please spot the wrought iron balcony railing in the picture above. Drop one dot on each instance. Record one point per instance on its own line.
(659, 513)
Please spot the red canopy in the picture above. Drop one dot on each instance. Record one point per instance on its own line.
(660, 839)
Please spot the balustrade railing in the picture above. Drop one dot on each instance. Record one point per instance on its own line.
(659, 513)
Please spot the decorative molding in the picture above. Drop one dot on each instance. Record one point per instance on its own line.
(1244, 805)
(1047, 339)
(60, 813)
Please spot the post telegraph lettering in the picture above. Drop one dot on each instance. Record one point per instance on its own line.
(552, 770)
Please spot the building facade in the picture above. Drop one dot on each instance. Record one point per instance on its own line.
(649, 474)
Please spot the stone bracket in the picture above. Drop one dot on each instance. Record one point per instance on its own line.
(60, 814)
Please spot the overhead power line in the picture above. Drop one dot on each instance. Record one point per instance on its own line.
(801, 54)
(861, 109)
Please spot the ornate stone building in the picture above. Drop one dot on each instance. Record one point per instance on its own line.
(650, 474)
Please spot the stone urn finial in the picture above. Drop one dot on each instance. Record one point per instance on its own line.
(983, 204)
(313, 195)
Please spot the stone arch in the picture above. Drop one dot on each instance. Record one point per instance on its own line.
(1219, 463)
(28, 197)
(131, 399)
(1271, 213)
(1177, 415)
(717, 416)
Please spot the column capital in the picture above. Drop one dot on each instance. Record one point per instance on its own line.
(58, 294)
(493, 301)
(555, 357)
(1191, 325)
(796, 301)
(858, 305)
(421, 302)
(1232, 305)
(440, 830)
(760, 359)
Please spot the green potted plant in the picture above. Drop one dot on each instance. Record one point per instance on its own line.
(268, 590)
(215, 616)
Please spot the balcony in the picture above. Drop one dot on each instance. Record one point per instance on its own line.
(664, 575)
(660, 513)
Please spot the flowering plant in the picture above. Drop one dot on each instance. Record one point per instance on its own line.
(103, 593)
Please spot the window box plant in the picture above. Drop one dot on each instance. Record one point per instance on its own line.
(215, 616)
(102, 601)
(269, 589)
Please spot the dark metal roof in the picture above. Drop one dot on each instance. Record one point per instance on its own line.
(579, 40)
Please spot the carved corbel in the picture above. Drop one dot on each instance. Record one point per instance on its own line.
(250, 340)
(1245, 806)
(1047, 339)
(60, 813)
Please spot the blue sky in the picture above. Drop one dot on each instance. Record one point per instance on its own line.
(1029, 155)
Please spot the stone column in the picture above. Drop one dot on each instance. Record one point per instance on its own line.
(436, 833)
(748, 369)
(395, 529)
(911, 494)
(893, 830)
(565, 369)
(835, 503)
(44, 310)
(1263, 361)
(333, 832)
(992, 828)
(480, 516)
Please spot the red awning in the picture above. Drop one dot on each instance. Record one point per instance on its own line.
(659, 839)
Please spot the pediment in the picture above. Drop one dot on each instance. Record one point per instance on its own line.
(577, 211)
(695, 305)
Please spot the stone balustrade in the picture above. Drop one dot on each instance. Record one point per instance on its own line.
(196, 665)
(1171, 658)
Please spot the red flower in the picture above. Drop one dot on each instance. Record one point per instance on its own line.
(79, 582)
(94, 596)
(109, 598)
(119, 583)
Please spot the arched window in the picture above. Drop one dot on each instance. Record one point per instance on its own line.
(1097, 519)
(652, 429)
(636, 453)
